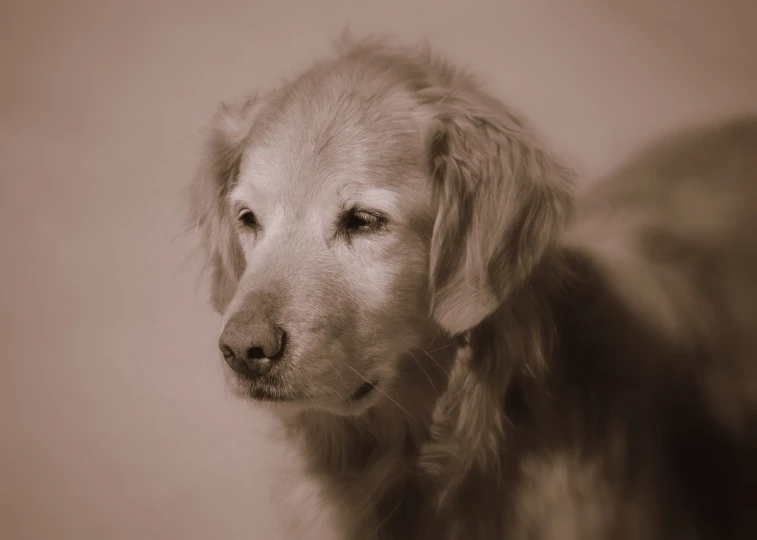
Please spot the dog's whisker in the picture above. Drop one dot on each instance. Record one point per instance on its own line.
(332, 366)
(436, 335)
(420, 365)
(390, 398)
(435, 361)
(448, 345)
(340, 396)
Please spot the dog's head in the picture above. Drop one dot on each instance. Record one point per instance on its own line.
(351, 216)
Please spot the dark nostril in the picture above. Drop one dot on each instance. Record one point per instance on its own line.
(226, 351)
(277, 351)
(255, 353)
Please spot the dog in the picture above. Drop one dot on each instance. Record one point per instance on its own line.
(459, 341)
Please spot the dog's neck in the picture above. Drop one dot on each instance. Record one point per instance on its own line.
(366, 462)
(444, 417)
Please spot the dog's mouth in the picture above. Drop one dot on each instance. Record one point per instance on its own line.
(365, 389)
(271, 389)
(267, 393)
(265, 388)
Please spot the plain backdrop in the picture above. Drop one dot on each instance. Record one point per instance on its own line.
(114, 419)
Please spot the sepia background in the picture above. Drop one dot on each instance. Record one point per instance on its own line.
(114, 419)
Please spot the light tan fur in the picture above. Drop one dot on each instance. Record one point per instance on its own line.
(458, 307)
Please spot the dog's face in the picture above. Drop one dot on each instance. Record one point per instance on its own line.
(358, 212)
(333, 216)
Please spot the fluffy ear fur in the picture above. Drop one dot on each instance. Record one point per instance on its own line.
(230, 129)
(502, 202)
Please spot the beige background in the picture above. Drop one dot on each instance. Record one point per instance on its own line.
(114, 421)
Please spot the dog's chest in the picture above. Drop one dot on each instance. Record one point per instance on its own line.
(305, 511)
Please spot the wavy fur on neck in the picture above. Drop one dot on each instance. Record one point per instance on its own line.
(398, 468)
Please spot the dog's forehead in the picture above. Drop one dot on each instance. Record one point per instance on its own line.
(334, 139)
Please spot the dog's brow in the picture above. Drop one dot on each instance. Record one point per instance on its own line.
(383, 198)
(237, 196)
(236, 202)
(249, 187)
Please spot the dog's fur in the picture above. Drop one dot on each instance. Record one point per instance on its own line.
(546, 366)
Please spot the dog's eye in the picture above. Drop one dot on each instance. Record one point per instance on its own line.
(357, 221)
(248, 219)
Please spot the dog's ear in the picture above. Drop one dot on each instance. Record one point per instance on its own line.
(502, 200)
(229, 131)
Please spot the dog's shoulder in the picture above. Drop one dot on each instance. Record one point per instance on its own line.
(673, 232)
(654, 387)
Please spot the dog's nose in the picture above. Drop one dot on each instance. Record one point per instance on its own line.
(251, 345)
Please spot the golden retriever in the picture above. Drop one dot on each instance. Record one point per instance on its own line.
(458, 344)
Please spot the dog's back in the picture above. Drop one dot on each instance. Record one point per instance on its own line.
(657, 380)
(676, 233)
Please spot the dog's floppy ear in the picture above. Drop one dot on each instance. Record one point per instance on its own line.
(501, 199)
(229, 132)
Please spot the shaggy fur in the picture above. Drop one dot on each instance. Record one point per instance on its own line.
(484, 355)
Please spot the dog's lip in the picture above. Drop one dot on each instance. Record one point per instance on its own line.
(268, 393)
(365, 389)
(265, 388)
